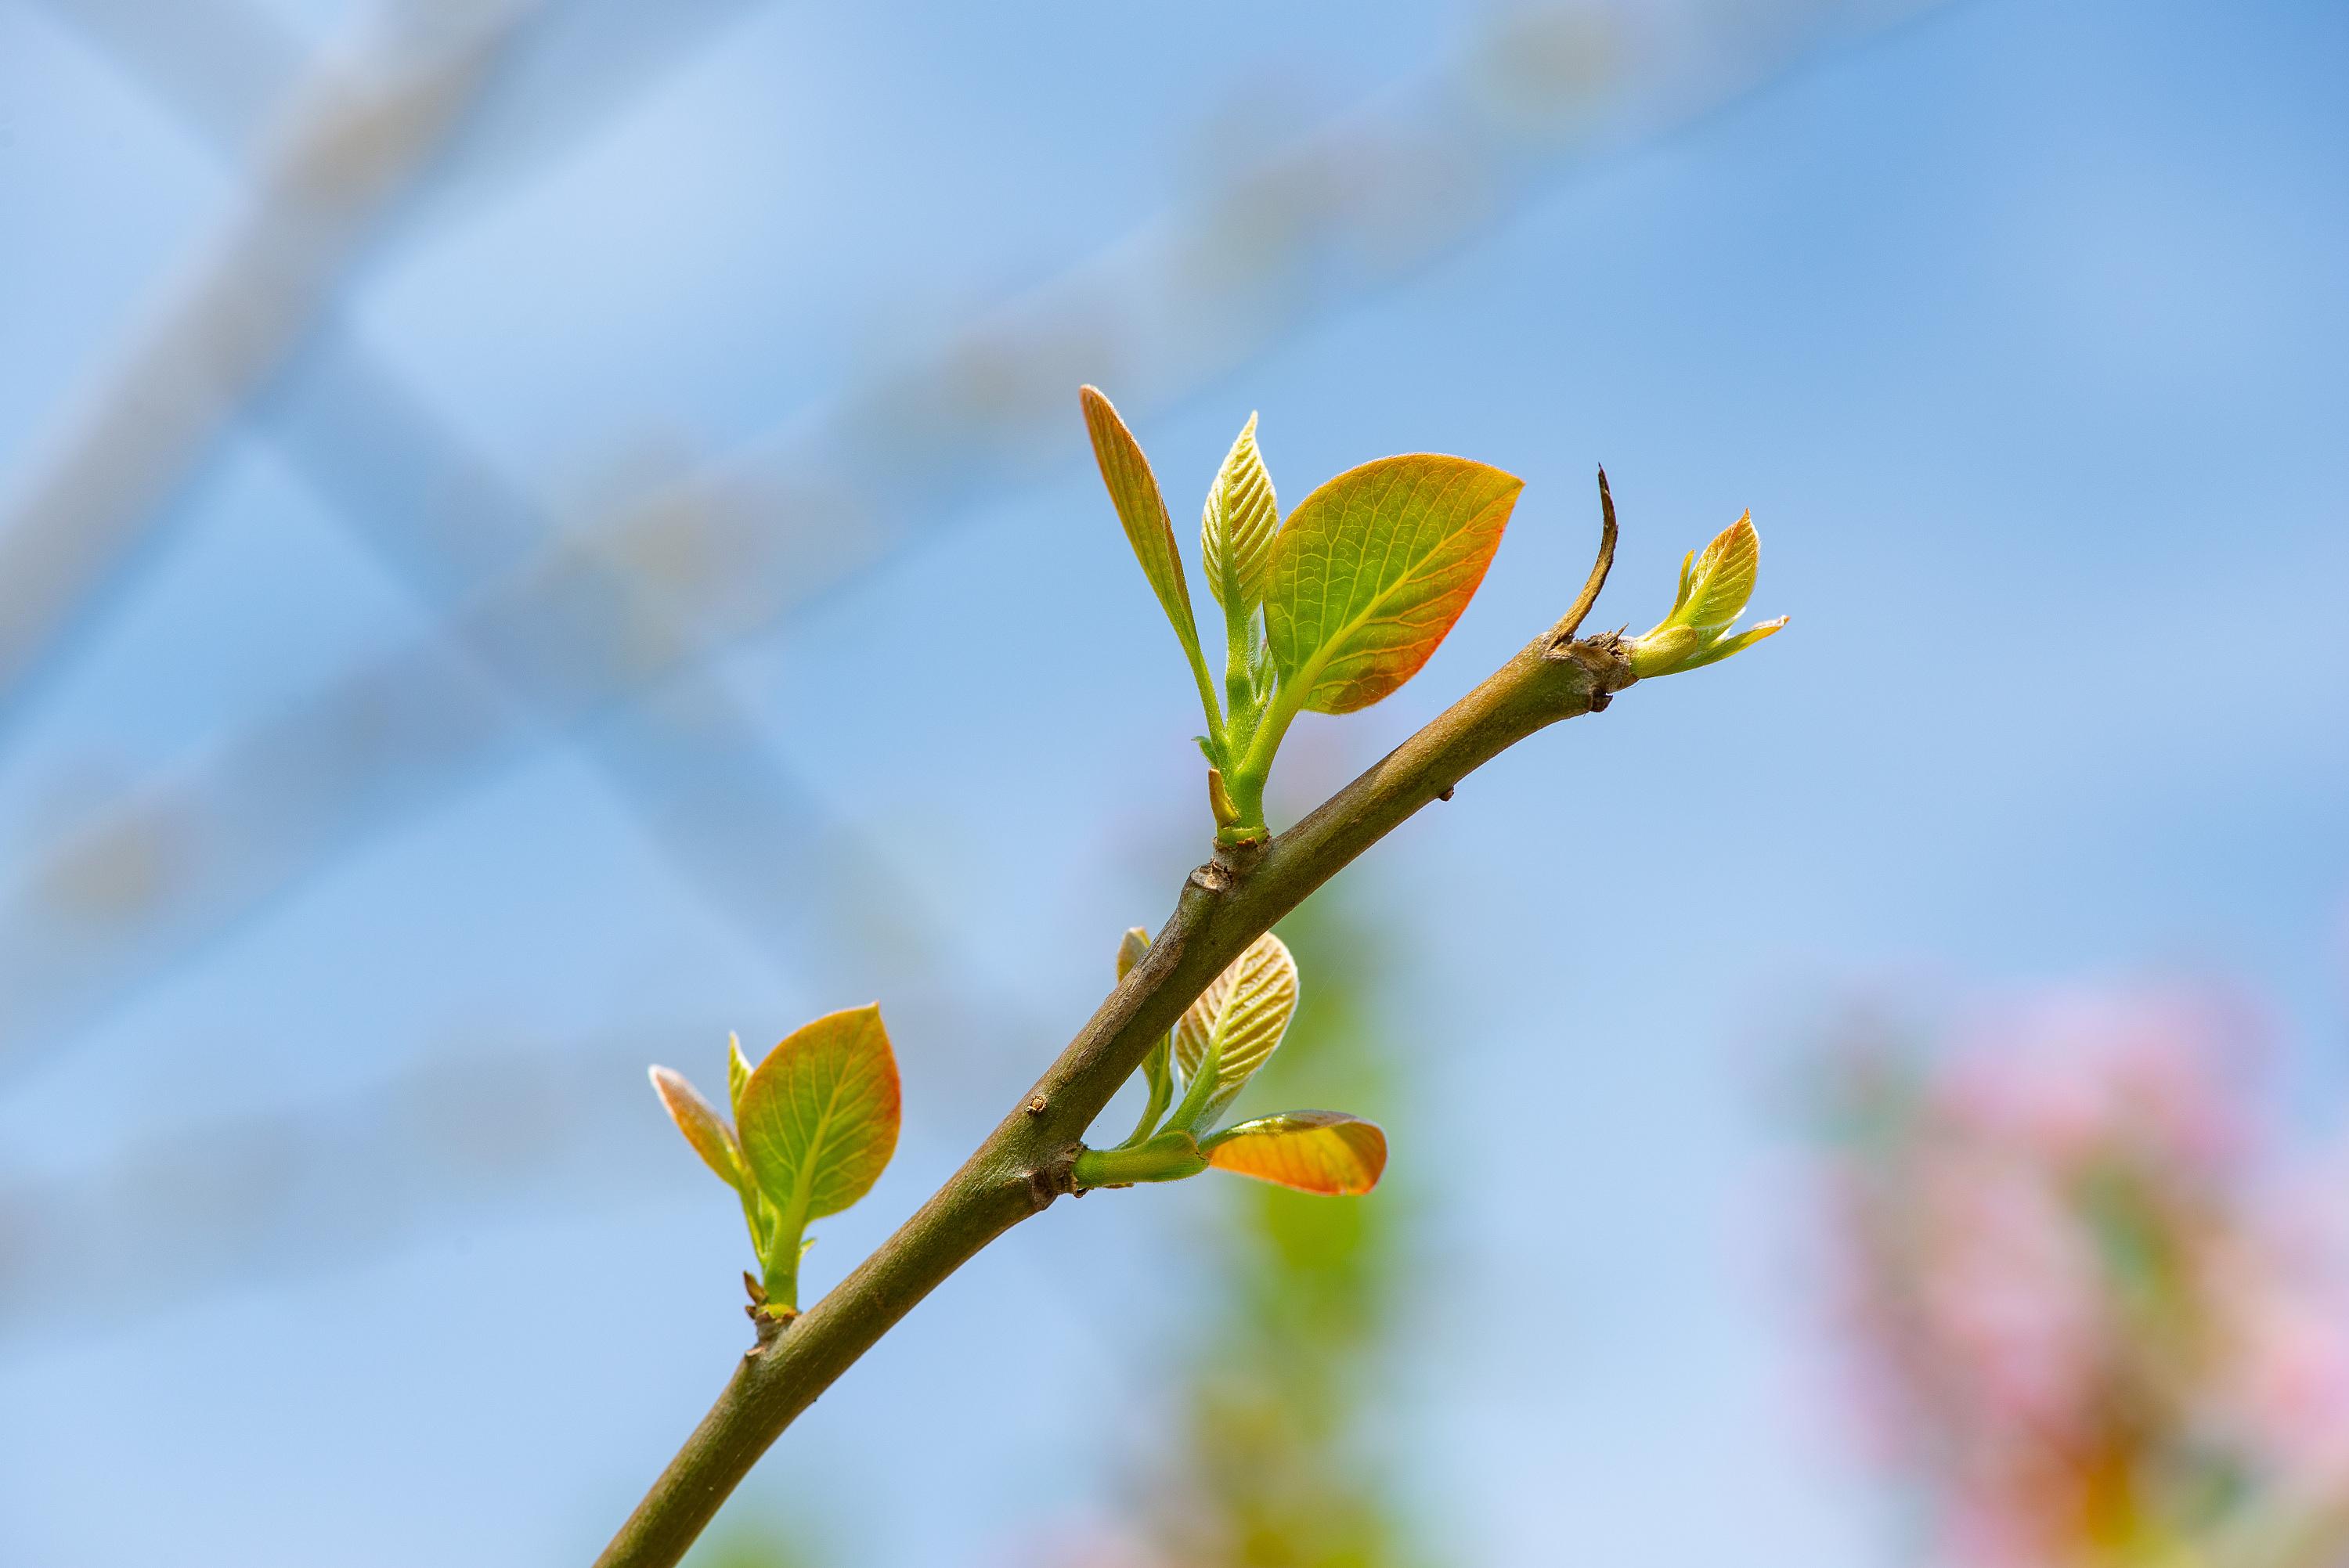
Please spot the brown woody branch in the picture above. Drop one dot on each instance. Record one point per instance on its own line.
(1026, 1161)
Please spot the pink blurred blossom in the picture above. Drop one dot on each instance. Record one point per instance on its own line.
(2094, 1305)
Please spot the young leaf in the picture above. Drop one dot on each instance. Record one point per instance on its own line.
(1235, 1022)
(1722, 579)
(820, 1116)
(1713, 590)
(1725, 646)
(1311, 1151)
(1130, 949)
(1372, 569)
(1134, 488)
(1237, 528)
(738, 1072)
(1219, 799)
(702, 1126)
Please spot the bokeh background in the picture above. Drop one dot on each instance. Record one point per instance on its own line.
(532, 535)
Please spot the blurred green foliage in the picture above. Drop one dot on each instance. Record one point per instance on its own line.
(755, 1545)
(1280, 1461)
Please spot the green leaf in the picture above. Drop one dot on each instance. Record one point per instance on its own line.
(1229, 1032)
(738, 1072)
(702, 1126)
(1723, 578)
(1727, 645)
(1312, 1150)
(1237, 528)
(1371, 570)
(1714, 588)
(1134, 490)
(820, 1117)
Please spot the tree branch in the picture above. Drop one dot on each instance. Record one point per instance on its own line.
(1026, 1161)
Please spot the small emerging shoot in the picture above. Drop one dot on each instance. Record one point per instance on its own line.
(1221, 1042)
(1325, 613)
(1714, 588)
(817, 1123)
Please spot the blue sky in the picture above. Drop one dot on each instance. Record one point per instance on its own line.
(2018, 326)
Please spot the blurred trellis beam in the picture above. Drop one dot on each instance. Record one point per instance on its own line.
(442, 104)
(389, 740)
(220, 63)
(227, 66)
(444, 520)
(355, 140)
(288, 1190)
(492, 1126)
(1355, 205)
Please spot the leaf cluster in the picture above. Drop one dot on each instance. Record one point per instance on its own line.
(1222, 1040)
(1337, 605)
(1327, 612)
(814, 1125)
(1714, 588)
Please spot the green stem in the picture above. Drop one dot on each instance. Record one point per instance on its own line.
(783, 1260)
(1206, 694)
(1240, 684)
(1201, 1089)
(1159, 1069)
(1288, 701)
(1169, 1156)
(1030, 1157)
(1246, 779)
(754, 1209)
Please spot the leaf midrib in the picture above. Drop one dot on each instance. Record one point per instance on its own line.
(1309, 674)
(822, 1135)
(803, 1179)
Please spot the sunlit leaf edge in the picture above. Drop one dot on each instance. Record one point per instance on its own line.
(1425, 606)
(845, 1047)
(703, 1128)
(1322, 1151)
(1251, 1001)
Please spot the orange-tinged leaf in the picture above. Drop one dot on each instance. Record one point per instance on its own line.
(1134, 490)
(1371, 570)
(1311, 1151)
(702, 1126)
(1239, 1019)
(819, 1116)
